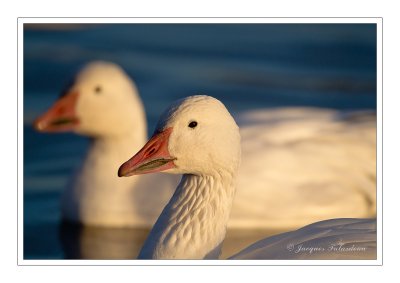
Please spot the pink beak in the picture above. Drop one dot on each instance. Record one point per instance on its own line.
(153, 157)
(61, 116)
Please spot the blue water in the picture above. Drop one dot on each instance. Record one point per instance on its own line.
(246, 66)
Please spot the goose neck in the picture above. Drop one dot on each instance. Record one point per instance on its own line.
(193, 224)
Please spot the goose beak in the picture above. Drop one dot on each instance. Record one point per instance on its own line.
(153, 157)
(61, 116)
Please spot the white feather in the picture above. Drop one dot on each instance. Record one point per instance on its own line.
(193, 224)
(330, 160)
(330, 239)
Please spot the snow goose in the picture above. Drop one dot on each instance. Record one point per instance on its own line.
(330, 158)
(302, 165)
(103, 103)
(197, 137)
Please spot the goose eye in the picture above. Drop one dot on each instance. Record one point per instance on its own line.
(97, 89)
(192, 124)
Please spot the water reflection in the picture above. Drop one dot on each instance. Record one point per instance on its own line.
(85, 242)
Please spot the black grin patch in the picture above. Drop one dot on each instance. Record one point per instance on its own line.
(153, 164)
(62, 121)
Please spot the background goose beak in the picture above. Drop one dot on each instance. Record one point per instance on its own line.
(61, 116)
(153, 157)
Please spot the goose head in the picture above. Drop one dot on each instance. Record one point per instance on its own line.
(101, 101)
(195, 135)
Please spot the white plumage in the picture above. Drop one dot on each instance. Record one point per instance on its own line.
(197, 137)
(298, 166)
(340, 238)
(111, 113)
(301, 165)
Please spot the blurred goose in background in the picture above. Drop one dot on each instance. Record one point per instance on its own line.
(103, 104)
(299, 165)
(198, 138)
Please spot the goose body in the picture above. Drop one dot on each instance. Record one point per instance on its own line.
(340, 238)
(330, 160)
(197, 137)
(302, 165)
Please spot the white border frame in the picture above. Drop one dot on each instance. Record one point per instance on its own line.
(170, 20)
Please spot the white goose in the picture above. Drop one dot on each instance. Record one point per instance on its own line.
(103, 103)
(320, 164)
(197, 137)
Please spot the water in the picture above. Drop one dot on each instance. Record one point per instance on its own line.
(245, 66)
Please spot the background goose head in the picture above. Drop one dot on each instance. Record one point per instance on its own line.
(101, 101)
(195, 135)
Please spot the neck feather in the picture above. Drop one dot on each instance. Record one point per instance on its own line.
(193, 224)
(95, 191)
